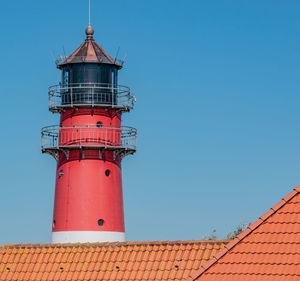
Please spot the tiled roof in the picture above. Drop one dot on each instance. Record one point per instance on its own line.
(107, 261)
(268, 250)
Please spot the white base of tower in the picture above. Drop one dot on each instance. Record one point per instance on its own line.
(87, 236)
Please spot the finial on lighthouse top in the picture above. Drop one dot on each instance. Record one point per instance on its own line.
(89, 30)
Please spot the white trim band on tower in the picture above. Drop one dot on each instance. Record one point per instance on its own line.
(87, 236)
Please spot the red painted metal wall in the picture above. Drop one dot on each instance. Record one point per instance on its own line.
(89, 184)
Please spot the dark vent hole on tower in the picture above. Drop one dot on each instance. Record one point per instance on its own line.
(101, 222)
(107, 173)
(99, 124)
(54, 224)
(61, 173)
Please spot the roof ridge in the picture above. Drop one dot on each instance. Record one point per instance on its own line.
(197, 273)
(94, 43)
(76, 51)
(115, 244)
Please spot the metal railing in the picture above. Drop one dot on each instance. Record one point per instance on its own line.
(78, 136)
(90, 94)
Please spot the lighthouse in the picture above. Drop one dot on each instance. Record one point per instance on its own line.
(89, 144)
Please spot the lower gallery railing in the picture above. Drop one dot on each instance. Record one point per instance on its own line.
(73, 136)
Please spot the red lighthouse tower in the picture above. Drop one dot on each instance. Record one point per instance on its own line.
(89, 144)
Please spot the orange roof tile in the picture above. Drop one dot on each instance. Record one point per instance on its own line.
(268, 250)
(105, 261)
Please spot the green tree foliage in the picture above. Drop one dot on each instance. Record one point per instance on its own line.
(239, 229)
(212, 236)
(230, 236)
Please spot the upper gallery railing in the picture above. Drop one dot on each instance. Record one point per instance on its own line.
(90, 95)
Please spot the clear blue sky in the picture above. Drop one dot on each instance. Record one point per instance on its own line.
(218, 95)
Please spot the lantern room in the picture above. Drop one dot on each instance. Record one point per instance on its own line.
(89, 75)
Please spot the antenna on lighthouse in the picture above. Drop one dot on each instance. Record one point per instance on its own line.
(89, 30)
(89, 12)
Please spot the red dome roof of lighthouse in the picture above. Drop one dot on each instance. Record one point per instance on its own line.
(90, 52)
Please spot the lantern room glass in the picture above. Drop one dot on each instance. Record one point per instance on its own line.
(89, 83)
